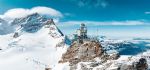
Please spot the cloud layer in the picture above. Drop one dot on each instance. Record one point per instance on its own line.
(92, 3)
(147, 12)
(96, 23)
(21, 12)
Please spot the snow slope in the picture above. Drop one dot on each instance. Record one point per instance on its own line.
(32, 50)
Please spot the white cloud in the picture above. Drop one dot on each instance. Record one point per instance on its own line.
(92, 3)
(46, 10)
(17, 13)
(95, 23)
(128, 23)
(1, 16)
(69, 14)
(21, 12)
(104, 4)
(147, 12)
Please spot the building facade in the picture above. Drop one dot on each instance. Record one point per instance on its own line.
(81, 33)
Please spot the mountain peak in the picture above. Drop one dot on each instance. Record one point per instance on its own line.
(34, 15)
(31, 23)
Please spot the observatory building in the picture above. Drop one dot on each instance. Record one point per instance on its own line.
(81, 33)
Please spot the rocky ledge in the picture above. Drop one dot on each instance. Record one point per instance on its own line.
(88, 51)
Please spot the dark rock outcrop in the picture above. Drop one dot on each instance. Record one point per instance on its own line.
(48, 69)
(15, 35)
(142, 64)
(139, 65)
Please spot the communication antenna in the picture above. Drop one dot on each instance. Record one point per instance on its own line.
(97, 32)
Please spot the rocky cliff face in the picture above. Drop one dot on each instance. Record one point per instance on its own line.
(89, 51)
(82, 52)
(32, 23)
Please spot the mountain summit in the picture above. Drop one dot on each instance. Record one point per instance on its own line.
(32, 23)
(35, 43)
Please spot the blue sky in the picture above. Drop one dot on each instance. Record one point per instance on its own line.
(104, 10)
(134, 13)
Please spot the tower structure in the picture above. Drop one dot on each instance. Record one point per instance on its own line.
(81, 33)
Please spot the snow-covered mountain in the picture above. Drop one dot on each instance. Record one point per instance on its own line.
(31, 23)
(35, 43)
(39, 44)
